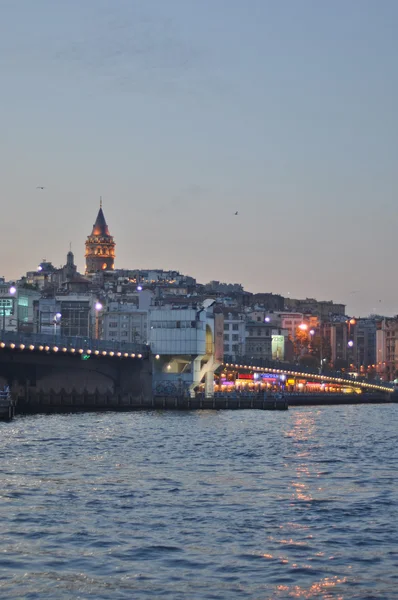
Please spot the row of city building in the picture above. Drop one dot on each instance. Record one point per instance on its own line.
(161, 308)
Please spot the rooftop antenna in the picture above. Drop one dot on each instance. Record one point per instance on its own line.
(100, 201)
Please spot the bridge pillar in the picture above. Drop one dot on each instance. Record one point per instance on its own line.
(209, 384)
(196, 378)
(205, 372)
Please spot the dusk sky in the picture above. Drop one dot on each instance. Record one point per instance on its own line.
(182, 112)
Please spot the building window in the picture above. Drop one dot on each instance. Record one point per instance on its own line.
(226, 327)
(6, 307)
(226, 347)
(226, 337)
(235, 337)
(259, 319)
(235, 327)
(113, 324)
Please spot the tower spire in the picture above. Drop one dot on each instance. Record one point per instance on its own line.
(100, 247)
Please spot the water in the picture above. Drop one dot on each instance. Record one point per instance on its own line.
(201, 505)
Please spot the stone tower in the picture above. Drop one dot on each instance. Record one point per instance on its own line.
(100, 247)
(69, 269)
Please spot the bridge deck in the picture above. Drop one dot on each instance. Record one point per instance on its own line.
(341, 380)
(34, 341)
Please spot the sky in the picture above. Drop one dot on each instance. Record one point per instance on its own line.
(180, 113)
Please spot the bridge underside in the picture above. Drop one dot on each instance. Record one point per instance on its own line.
(40, 379)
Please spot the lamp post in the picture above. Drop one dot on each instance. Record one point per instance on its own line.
(98, 307)
(12, 291)
(56, 321)
(351, 335)
(311, 334)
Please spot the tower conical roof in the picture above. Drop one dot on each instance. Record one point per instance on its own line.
(100, 227)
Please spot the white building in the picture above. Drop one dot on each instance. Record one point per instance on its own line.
(188, 345)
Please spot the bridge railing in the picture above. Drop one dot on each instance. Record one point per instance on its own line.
(286, 366)
(86, 343)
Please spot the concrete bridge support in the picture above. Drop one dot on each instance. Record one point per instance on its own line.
(204, 368)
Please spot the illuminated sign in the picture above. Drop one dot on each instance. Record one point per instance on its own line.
(278, 347)
(245, 376)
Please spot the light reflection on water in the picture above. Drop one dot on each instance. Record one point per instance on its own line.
(216, 505)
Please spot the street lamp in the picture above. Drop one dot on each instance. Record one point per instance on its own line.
(350, 344)
(98, 307)
(12, 291)
(56, 321)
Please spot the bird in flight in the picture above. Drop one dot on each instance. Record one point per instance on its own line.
(236, 213)
(40, 187)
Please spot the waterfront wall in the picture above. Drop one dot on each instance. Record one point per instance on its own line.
(63, 401)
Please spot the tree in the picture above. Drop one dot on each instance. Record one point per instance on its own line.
(309, 360)
(340, 364)
(301, 341)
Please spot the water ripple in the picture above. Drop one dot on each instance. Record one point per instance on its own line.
(201, 505)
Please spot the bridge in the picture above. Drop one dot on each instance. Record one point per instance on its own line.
(74, 372)
(49, 370)
(293, 371)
